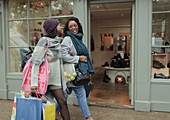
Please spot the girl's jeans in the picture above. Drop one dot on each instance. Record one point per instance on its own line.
(81, 97)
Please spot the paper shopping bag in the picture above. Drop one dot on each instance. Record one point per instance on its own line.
(17, 95)
(28, 109)
(48, 111)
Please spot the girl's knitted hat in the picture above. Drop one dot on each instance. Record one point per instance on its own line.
(50, 24)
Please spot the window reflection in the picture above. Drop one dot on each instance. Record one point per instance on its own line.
(17, 9)
(18, 34)
(36, 31)
(39, 8)
(15, 59)
(161, 5)
(61, 7)
(161, 29)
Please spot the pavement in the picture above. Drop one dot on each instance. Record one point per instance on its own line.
(98, 113)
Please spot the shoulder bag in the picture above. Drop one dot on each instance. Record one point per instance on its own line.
(81, 79)
(44, 73)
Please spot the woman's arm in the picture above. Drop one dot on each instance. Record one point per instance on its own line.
(65, 48)
(37, 59)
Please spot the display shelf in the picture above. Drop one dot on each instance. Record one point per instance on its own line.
(160, 12)
(162, 58)
(164, 71)
(160, 46)
(113, 72)
(117, 69)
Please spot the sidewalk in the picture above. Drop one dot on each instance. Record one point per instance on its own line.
(98, 113)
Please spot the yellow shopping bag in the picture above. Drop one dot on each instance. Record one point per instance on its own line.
(49, 111)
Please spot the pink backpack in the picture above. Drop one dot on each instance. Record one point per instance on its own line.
(44, 72)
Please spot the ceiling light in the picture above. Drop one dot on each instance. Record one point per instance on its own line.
(122, 14)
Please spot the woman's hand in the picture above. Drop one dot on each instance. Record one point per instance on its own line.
(83, 58)
(71, 53)
(34, 89)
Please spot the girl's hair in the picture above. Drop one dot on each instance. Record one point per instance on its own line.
(78, 23)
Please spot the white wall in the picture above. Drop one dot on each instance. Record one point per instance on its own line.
(114, 26)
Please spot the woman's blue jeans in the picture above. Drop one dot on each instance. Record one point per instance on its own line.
(81, 97)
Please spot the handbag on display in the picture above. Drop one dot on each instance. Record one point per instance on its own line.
(44, 72)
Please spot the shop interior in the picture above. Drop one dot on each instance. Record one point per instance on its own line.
(110, 53)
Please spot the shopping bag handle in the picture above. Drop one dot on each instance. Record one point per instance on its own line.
(37, 94)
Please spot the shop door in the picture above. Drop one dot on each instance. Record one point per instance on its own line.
(132, 45)
(131, 79)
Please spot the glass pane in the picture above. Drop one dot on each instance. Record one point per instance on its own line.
(161, 29)
(61, 7)
(36, 31)
(160, 63)
(63, 21)
(17, 9)
(161, 5)
(0, 28)
(18, 34)
(15, 60)
(39, 8)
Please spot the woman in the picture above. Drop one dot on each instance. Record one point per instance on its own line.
(73, 34)
(54, 89)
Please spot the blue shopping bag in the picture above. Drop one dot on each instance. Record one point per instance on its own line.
(28, 109)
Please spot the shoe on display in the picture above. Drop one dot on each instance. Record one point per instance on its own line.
(105, 80)
(106, 64)
(157, 64)
(125, 56)
(166, 43)
(112, 63)
(168, 65)
(115, 57)
(127, 63)
(119, 56)
(107, 77)
(161, 76)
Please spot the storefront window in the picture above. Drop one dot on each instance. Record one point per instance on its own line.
(26, 24)
(161, 39)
